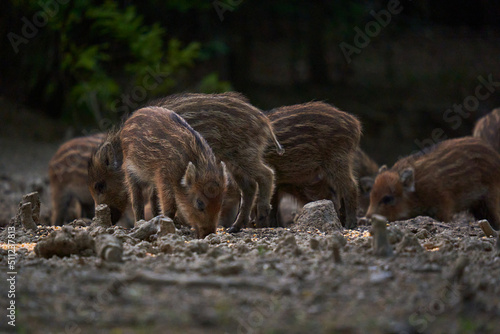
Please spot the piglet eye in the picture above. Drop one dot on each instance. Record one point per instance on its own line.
(200, 205)
(100, 187)
(388, 199)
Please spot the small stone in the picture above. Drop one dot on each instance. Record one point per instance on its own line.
(380, 242)
(109, 248)
(146, 230)
(34, 199)
(102, 216)
(319, 215)
(314, 243)
(26, 216)
(65, 242)
(336, 252)
(487, 229)
(166, 226)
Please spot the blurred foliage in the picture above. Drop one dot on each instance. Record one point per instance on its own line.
(108, 61)
(98, 60)
(212, 83)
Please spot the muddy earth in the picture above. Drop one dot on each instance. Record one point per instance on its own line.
(312, 277)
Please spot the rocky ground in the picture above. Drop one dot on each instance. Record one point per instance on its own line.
(312, 277)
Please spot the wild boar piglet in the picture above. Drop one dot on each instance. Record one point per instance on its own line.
(452, 176)
(68, 178)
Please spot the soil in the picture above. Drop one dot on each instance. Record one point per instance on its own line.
(442, 277)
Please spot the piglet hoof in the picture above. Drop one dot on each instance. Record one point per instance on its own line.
(233, 229)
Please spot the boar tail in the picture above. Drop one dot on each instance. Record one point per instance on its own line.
(279, 149)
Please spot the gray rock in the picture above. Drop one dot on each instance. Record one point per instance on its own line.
(380, 242)
(319, 215)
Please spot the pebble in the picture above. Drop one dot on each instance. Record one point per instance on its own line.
(314, 243)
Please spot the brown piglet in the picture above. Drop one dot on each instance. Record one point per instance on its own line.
(238, 133)
(320, 143)
(68, 178)
(452, 176)
(163, 153)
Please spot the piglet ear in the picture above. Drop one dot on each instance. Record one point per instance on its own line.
(189, 176)
(407, 177)
(382, 169)
(107, 155)
(366, 184)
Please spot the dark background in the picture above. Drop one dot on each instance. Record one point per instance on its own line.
(77, 67)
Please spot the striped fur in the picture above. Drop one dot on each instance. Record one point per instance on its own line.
(320, 143)
(238, 133)
(68, 178)
(163, 153)
(455, 175)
